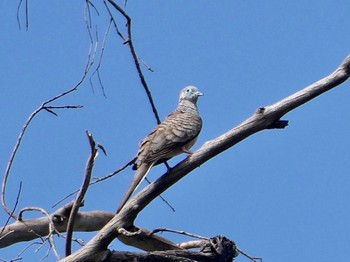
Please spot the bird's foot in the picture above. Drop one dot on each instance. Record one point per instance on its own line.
(188, 152)
(167, 166)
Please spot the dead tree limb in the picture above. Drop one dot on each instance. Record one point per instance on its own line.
(264, 118)
(46, 105)
(130, 43)
(80, 197)
(121, 226)
(30, 229)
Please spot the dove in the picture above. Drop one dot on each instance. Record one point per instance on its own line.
(175, 135)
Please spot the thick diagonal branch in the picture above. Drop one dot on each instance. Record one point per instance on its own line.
(264, 118)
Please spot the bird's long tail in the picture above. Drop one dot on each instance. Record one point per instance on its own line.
(136, 181)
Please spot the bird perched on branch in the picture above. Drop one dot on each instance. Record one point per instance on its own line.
(176, 135)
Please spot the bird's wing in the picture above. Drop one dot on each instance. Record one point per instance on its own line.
(167, 140)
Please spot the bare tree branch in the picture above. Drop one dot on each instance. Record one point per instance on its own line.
(254, 259)
(29, 229)
(160, 196)
(97, 180)
(26, 12)
(133, 52)
(177, 232)
(13, 209)
(80, 197)
(97, 69)
(264, 118)
(51, 227)
(217, 248)
(43, 106)
(121, 226)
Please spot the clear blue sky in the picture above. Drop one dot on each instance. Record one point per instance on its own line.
(282, 195)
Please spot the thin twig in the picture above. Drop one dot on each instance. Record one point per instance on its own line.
(97, 69)
(18, 10)
(49, 108)
(93, 6)
(44, 106)
(131, 162)
(9, 165)
(63, 107)
(27, 14)
(134, 55)
(177, 232)
(162, 198)
(80, 197)
(14, 208)
(52, 229)
(97, 180)
(249, 256)
(88, 13)
(146, 65)
(80, 242)
(24, 250)
(114, 22)
(88, 20)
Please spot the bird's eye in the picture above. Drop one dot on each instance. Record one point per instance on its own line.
(188, 90)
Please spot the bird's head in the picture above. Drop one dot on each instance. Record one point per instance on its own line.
(190, 93)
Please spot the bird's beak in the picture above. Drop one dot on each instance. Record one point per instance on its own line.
(199, 93)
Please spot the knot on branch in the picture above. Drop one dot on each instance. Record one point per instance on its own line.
(62, 214)
(224, 247)
(279, 124)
